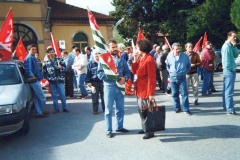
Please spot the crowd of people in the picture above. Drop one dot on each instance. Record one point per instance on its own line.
(144, 68)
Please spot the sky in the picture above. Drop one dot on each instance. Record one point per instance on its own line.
(100, 6)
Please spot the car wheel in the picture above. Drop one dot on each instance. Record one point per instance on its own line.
(25, 129)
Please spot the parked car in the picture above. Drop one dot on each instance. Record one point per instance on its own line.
(219, 61)
(15, 98)
(237, 61)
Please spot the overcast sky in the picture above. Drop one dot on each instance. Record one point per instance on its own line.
(100, 6)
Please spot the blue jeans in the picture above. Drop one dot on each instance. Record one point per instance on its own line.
(81, 78)
(74, 80)
(206, 81)
(175, 86)
(111, 94)
(61, 93)
(199, 70)
(39, 98)
(228, 90)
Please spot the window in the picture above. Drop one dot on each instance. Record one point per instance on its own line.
(27, 34)
(9, 75)
(80, 40)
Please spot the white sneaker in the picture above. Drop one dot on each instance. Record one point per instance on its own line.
(75, 89)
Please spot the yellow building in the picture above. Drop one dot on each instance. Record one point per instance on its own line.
(35, 19)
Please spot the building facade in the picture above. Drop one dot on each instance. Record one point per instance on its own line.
(35, 19)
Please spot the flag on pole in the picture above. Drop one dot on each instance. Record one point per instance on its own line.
(55, 45)
(6, 37)
(140, 35)
(105, 57)
(196, 47)
(21, 52)
(204, 40)
(167, 43)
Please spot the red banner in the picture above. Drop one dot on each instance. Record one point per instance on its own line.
(204, 40)
(140, 35)
(44, 83)
(6, 37)
(21, 52)
(196, 47)
(55, 45)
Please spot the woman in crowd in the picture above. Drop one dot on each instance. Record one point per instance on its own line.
(144, 87)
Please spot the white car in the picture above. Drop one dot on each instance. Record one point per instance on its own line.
(15, 98)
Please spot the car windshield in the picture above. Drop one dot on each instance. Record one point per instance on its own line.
(9, 74)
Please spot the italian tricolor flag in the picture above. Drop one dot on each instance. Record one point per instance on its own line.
(105, 57)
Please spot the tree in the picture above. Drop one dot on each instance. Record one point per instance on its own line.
(235, 13)
(213, 17)
(117, 37)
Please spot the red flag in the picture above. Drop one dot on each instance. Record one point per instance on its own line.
(55, 45)
(119, 53)
(196, 47)
(204, 40)
(44, 83)
(140, 35)
(21, 52)
(6, 37)
(165, 43)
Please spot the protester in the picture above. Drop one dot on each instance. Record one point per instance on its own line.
(229, 53)
(88, 52)
(145, 85)
(68, 75)
(178, 65)
(39, 63)
(53, 71)
(163, 68)
(158, 73)
(153, 51)
(81, 62)
(95, 83)
(112, 92)
(212, 88)
(207, 58)
(200, 68)
(129, 62)
(32, 71)
(192, 75)
(72, 55)
(125, 55)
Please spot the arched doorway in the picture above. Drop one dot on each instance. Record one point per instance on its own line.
(27, 34)
(80, 40)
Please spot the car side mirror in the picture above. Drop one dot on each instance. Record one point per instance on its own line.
(31, 80)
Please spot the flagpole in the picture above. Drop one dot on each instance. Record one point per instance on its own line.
(168, 43)
(14, 54)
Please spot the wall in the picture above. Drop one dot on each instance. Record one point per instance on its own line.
(66, 33)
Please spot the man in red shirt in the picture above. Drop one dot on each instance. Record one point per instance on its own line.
(207, 58)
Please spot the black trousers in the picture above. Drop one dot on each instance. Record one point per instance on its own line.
(69, 83)
(95, 96)
(143, 103)
(160, 83)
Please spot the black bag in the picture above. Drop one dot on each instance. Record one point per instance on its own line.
(155, 119)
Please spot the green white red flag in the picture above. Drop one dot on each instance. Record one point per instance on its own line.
(6, 37)
(106, 60)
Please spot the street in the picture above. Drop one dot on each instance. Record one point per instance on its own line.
(208, 134)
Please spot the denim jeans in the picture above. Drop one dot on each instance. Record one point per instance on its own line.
(39, 98)
(74, 80)
(175, 86)
(228, 89)
(81, 78)
(60, 87)
(206, 81)
(111, 94)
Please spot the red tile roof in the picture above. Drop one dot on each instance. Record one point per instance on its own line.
(63, 11)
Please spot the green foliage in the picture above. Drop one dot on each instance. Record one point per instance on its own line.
(117, 37)
(235, 13)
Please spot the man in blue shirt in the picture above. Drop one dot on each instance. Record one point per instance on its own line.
(125, 55)
(178, 65)
(112, 92)
(32, 71)
(93, 81)
(229, 53)
(153, 51)
(68, 74)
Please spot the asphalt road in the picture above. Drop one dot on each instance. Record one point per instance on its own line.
(208, 134)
